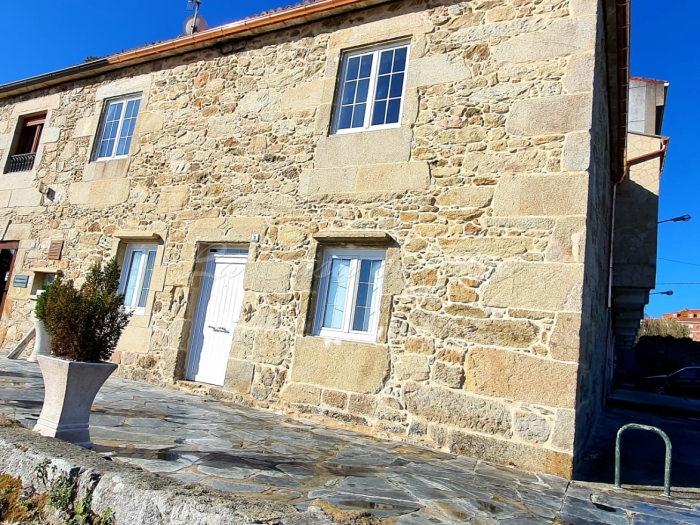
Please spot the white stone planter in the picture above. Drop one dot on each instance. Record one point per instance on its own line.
(69, 390)
(42, 340)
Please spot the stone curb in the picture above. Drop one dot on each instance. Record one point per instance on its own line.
(133, 495)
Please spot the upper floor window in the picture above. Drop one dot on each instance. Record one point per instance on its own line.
(136, 276)
(349, 294)
(371, 91)
(117, 129)
(24, 151)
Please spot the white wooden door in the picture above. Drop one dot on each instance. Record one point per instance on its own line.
(218, 309)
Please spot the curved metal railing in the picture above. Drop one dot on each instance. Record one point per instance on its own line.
(667, 441)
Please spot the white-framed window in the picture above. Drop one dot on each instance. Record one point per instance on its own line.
(371, 89)
(350, 290)
(117, 128)
(136, 276)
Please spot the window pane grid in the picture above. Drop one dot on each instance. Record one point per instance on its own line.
(147, 279)
(337, 294)
(390, 82)
(137, 272)
(355, 91)
(350, 290)
(118, 128)
(365, 292)
(371, 91)
(132, 278)
(127, 130)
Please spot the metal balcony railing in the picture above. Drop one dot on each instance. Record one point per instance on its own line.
(24, 162)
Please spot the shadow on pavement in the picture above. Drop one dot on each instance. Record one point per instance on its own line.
(642, 453)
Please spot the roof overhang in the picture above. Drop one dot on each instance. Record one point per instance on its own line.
(618, 54)
(250, 27)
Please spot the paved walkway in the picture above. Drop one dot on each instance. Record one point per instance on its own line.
(243, 450)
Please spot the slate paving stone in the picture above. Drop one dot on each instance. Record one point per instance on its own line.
(420, 518)
(103, 420)
(276, 479)
(583, 512)
(227, 472)
(380, 507)
(544, 503)
(153, 465)
(187, 478)
(235, 488)
(522, 521)
(238, 449)
(650, 507)
(423, 491)
(296, 470)
(377, 486)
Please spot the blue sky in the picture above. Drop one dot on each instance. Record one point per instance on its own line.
(664, 46)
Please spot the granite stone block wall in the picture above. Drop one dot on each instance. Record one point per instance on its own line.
(487, 200)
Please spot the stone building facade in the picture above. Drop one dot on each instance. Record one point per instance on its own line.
(637, 215)
(482, 218)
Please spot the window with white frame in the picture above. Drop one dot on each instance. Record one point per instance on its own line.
(117, 129)
(349, 295)
(371, 90)
(136, 276)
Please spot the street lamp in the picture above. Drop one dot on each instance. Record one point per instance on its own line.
(667, 292)
(682, 218)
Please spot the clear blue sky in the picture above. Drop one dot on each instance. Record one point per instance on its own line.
(664, 46)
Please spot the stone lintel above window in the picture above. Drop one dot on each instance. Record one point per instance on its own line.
(354, 237)
(139, 236)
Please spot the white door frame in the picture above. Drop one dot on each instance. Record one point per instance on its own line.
(233, 256)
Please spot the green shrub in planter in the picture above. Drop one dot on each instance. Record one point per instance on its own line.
(84, 323)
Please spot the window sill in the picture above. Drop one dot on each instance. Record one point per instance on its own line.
(352, 131)
(108, 159)
(370, 340)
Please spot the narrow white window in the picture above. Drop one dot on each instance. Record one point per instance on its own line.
(136, 276)
(371, 90)
(349, 294)
(117, 128)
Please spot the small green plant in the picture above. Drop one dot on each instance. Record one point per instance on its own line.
(84, 323)
(42, 472)
(62, 493)
(107, 518)
(83, 510)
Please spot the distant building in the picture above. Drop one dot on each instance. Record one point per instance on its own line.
(689, 318)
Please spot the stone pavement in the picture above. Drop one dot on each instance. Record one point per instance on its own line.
(237, 449)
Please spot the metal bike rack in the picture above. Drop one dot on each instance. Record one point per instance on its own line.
(667, 441)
